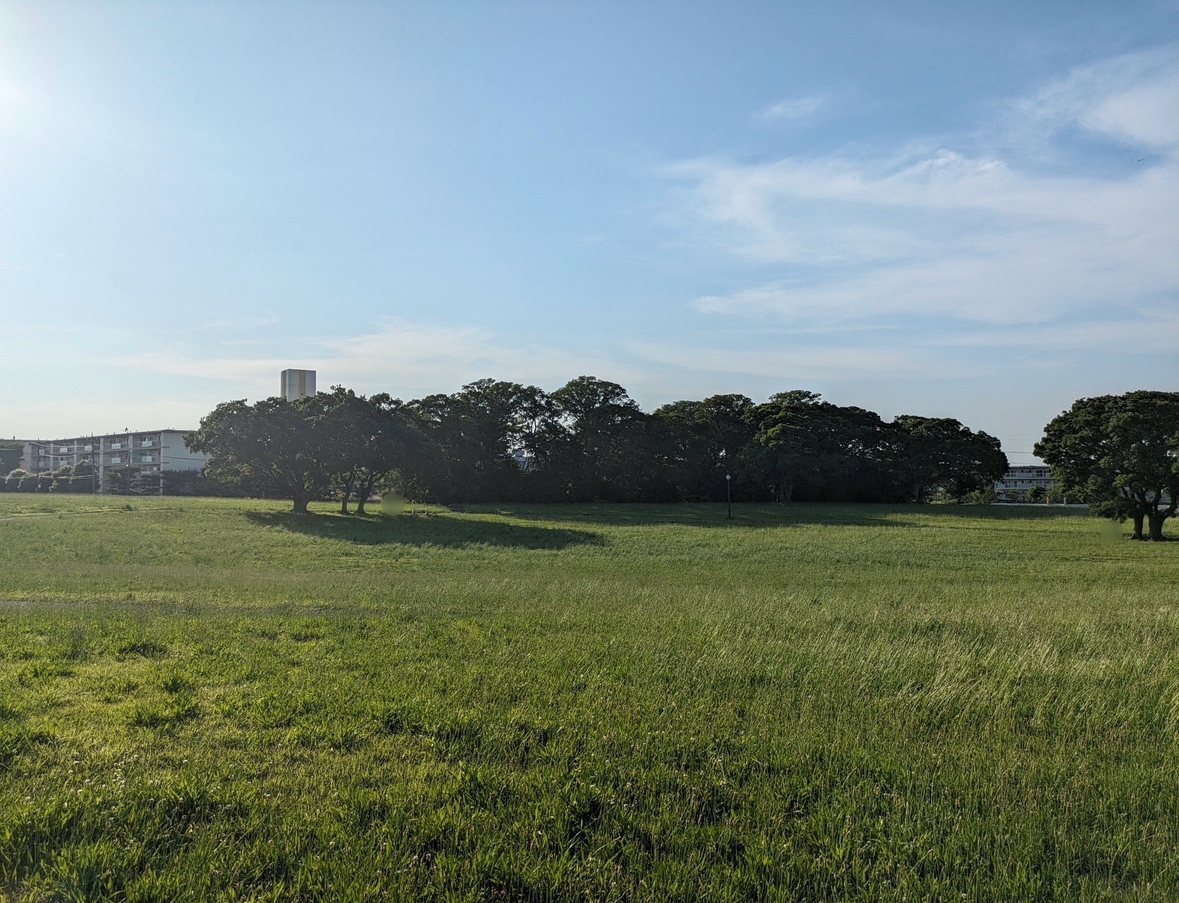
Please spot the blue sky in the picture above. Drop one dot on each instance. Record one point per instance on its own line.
(963, 210)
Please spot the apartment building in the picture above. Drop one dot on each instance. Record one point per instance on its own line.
(1018, 480)
(150, 452)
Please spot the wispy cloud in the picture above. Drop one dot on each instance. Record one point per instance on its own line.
(938, 230)
(1132, 98)
(794, 108)
(403, 358)
(412, 360)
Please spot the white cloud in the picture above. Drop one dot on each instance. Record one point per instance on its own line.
(889, 370)
(942, 231)
(421, 358)
(794, 108)
(1132, 98)
(413, 360)
(400, 358)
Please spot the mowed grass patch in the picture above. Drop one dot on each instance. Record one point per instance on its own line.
(207, 699)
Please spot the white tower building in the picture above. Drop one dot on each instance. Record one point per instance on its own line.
(297, 384)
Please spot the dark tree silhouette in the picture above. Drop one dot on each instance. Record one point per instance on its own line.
(1122, 453)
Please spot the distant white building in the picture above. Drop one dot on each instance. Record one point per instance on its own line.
(297, 384)
(1018, 480)
(151, 452)
(524, 460)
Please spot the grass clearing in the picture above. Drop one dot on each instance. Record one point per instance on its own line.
(215, 699)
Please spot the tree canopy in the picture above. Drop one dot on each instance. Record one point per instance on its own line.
(1122, 453)
(498, 441)
(304, 449)
(940, 452)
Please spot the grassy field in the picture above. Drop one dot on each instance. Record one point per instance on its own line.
(216, 700)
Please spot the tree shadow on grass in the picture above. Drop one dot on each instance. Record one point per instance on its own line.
(766, 516)
(434, 530)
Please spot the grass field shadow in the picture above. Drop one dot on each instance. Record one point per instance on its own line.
(702, 514)
(766, 516)
(442, 531)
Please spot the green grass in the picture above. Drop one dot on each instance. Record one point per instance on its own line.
(216, 700)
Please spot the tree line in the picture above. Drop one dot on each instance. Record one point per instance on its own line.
(497, 441)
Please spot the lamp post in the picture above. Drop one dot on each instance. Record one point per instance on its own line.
(729, 494)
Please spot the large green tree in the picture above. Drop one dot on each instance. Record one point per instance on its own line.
(787, 445)
(941, 453)
(273, 447)
(601, 445)
(480, 435)
(370, 438)
(698, 443)
(1122, 453)
(802, 439)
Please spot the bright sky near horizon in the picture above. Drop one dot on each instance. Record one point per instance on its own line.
(962, 210)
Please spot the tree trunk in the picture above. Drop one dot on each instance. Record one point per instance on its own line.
(788, 490)
(1156, 525)
(1138, 518)
(300, 502)
(366, 489)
